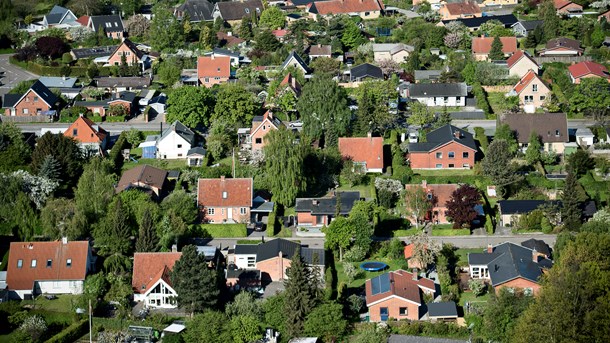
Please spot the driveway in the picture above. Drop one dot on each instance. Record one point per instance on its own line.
(12, 75)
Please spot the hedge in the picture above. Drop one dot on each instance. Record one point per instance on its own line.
(71, 333)
(223, 230)
(481, 96)
(42, 70)
(115, 119)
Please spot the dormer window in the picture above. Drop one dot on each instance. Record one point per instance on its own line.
(69, 263)
(247, 10)
(108, 25)
(224, 195)
(556, 133)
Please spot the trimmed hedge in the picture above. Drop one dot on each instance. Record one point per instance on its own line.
(223, 230)
(481, 96)
(115, 119)
(41, 70)
(71, 333)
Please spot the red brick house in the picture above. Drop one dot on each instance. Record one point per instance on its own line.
(89, 135)
(438, 194)
(225, 200)
(397, 295)
(151, 282)
(213, 70)
(567, 7)
(318, 212)
(587, 69)
(133, 55)
(364, 151)
(447, 147)
(261, 126)
(481, 47)
(38, 100)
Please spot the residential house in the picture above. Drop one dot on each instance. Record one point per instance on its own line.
(121, 84)
(233, 11)
(219, 52)
(509, 265)
(212, 70)
(511, 210)
(273, 257)
(319, 50)
(319, 212)
(151, 281)
(584, 137)
(562, 47)
(91, 138)
(567, 8)
(280, 34)
(133, 55)
(467, 9)
(493, 3)
(100, 107)
(438, 195)
(144, 177)
(295, 61)
(552, 128)
(365, 152)
(111, 25)
(447, 147)
(587, 69)
(58, 267)
(175, 142)
(289, 84)
(59, 17)
(397, 295)
(481, 47)
(37, 100)
(225, 200)
(65, 85)
(532, 92)
(539, 246)
(226, 39)
(438, 94)
(524, 27)
(93, 53)
(365, 9)
(408, 254)
(444, 311)
(426, 75)
(473, 24)
(195, 157)
(397, 52)
(195, 10)
(520, 63)
(364, 72)
(261, 126)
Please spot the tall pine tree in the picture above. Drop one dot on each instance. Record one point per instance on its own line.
(301, 292)
(571, 213)
(112, 236)
(496, 49)
(147, 238)
(195, 284)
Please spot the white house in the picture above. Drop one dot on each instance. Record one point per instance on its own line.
(151, 280)
(245, 256)
(584, 137)
(438, 94)
(174, 143)
(218, 52)
(58, 267)
(397, 52)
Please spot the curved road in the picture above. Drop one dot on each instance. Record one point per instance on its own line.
(12, 75)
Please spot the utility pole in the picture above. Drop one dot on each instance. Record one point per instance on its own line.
(90, 318)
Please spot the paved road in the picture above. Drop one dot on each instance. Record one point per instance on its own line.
(12, 75)
(458, 241)
(111, 127)
(490, 125)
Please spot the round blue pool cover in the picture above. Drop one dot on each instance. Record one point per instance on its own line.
(373, 266)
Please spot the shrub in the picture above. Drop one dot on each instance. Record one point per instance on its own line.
(35, 326)
(477, 287)
(350, 271)
(115, 119)
(355, 254)
(72, 333)
(481, 96)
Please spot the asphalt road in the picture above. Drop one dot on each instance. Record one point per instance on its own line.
(12, 75)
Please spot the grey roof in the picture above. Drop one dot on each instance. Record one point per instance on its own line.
(235, 10)
(465, 115)
(365, 70)
(262, 206)
(97, 51)
(125, 96)
(225, 52)
(530, 25)
(442, 309)
(95, 103)
(271, 249)
(319, 206)
(246, 249)
(522, 206)
(427, 74)
(309, 255)
(298, 59)
(196, 151)
(424, 90)
(301, 2)
(442, 136)
(537, 244)
(198, 10)
(551, 127)
(181, 130)
(513, 261)
(392, 47)
(480, 258)
(56, 14)
(109, 23)
(507, 20)
(57, 81)
(244, 274)
(420, 339)
(10, 100)
(130, 81)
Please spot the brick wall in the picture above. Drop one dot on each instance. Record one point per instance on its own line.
(428, 160)
(275, 268)
(260, 134)
(520, 283)
(221, 214)
(394, 305)
(210, 81)
(130, 57)
(306, 219)
(31, 103)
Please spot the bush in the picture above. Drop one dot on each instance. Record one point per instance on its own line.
(223, 230)
(114, 119)
(71, 334)
(481, 96)
(355, 254)
(477, 287)
(479, 135)
(489, 227)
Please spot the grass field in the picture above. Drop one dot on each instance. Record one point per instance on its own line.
(63, 303)
(445, 172)
(364, 275)
(450, 232)
(469, 297)
(224, 230)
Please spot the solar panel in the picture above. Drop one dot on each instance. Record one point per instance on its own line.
(380, 284)
(375, 285)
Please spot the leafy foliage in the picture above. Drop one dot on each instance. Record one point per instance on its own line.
(235, 105)
(460, 206)
(195, 284)
(64, 150)
(191, 106)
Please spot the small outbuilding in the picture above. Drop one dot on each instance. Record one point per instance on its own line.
(442, 311)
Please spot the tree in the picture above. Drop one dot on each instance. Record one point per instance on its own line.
(61, 218)
(113, 235)
(417, 203)
(284, 160)
(182, 204)
(165, 29)
(195, 284)
(339, 235)
(496, 49)
(580, 163)
(506, 133)
(64, 150)
(221, 139)
(477, 286)
(300, 289)
(273, 307)
(147, 237)
(420, 115)
(532, 154)
(493, 28)
(117, 110)
(501, 314)
(244, 304)
(551, 21)
(235, 105)
(169, 72)
(424, 249)
(50, 168)
(137, 26)
(571, 212)
(273, 18)
(497, 164)
(191, 106)
(245, 329)
(453, 39)
(51, 47)
(352, 36)
(34, 326)
(327, 322)
(209, 326)
(266, 41)
(207, 38)
(245, 29)
(324, 110)
(37, 188)
(443, 118)
(461, 204)
(591, 98)
(14, 152)
(95, 189)
(374, 115)
(325, 65)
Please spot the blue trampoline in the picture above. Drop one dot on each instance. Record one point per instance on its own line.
(373, 266)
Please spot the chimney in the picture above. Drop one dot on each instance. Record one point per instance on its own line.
(64, 240)
(490, 248)
(222, 178)
(534, 256)
(31, 246)
(281, 256)
(229, 33)
(424, 183)
(415, 276)
(369, 134)
(174, 248)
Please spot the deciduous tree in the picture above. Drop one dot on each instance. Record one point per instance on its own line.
(65, 150)
(532, 154)
(417, 203)
(209, 326)
(327, 322)
(235, 105)
(14, 152)
(166, 31)
(497, 164)
(192, 106)
(460, 206)
(95, 189)
(339, 235)
(273, 18)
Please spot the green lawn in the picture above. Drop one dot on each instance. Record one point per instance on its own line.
(497, 101)
(365, 190)
(364, 275)
(469, 297)
(63, 303)
(284, 233)
(445, 172)
(223, 230)
(450, 232)
(405, 233)
(462, 253)
(595, 188)
(163, 164)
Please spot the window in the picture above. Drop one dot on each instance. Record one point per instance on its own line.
(465, 165)
(403, 311)
(25, 111)
(251, 262)
(108, 25)
(529, 98)
(211, 211)
(225, 195)
(19, 263)
(542, 98)
(528, 291)
(35, 98)
(264, 127)
(439, 166)
(34, 262)
(243, 210)
(446, 99)
(451, 154)
(38, 110)
(49, 263)
(383, 313)
(366, 14)
(69, 263)
(179, 155)
(218, 70)
(206, 80)
(116, 63)
(247, 10)
(451, 165)
(465, 154)
(74, 132)
(534, 88)
(258, 141)
(439, 155)
(217, 78)
(179, 146)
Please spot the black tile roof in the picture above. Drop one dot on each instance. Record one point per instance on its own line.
(181, 130)
(442, 309)
(507, 20)
(538, 245)
(196, 150)
(109, 23)
(442, 136)
(98, 51)
(198, 10)
(271, 249)
(246, 249)
(320, 206)
(365, 70)
(297, 58)
(309, 255)
(513, 261)
(10, 100)
(420, 339)
(424, 90)
(530, 25)
(44, 93)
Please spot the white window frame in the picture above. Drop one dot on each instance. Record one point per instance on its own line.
(211, 211)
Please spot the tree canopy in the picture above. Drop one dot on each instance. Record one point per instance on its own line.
(192, 106)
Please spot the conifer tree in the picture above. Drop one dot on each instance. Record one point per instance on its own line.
(147, 238)
(299, 289)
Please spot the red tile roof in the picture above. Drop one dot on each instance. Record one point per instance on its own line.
(237, 192)
(482, 45)
(83, 20)
(585, 68)
(23, 278)
(442, 192)
(363, 149)
(347, 6)
(149, 267)
(408, 251)
(291, 82)
(525, 80)
(214, 66)
(86, 131)
(280, 33)
(462, 8)
(512, 60)
(229, 40)
(401, 285)
(559, 4)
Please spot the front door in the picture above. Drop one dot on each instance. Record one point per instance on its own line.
(230, 214)
(383, 313)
